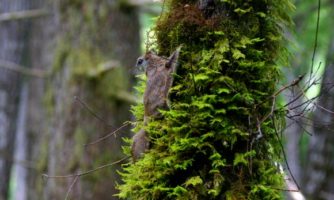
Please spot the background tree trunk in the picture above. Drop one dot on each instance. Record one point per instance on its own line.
(74, 48)
(307, 155)
(319, 174)
(42, 43)
(91, 35)
(12, 51)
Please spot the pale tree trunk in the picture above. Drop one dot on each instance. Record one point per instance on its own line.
(31, 134)
(12, 50)
(90, 34)
(41, 52)
(19, 171)
(319, 175)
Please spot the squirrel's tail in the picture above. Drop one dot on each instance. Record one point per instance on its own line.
(140, 144)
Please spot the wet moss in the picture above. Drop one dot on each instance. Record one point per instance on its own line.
(218, 139)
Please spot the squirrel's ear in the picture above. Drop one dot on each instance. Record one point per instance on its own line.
(172, 60)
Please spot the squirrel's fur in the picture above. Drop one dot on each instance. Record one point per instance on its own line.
(159, 72)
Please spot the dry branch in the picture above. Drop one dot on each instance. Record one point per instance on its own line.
(26, 14)
(22, 69)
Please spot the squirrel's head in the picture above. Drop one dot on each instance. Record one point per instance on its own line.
(152, 62)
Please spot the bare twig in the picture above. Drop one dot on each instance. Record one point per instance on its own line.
(91, 111)
(77, 176)
(273, 97)
(303, 103)
(300, 124)
(23, 70)
(293, 83)
(26, 14)
(285, 190)
(140, 3)
(316, 38)
(108, 135)
(302, 93)
(71, 186)
(86, 172)
(323, 108)
(270, 113)
(284, 154)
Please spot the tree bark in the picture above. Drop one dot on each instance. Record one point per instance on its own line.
(90, 34)
(42, 42)
(19, 171)
(12, 49)
(67, 36)
(319, 180)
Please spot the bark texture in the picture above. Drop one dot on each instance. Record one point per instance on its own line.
(12, 50)
(319, 178)
(91, 36)
(78, 48)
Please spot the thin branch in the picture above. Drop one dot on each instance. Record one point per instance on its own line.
(86, 172)
(26, 14)
(284, 154)
(301, 126)
(305, 102)
(108, 135)
(140, 3)
(302, 93)
(316, 37)
(293, 83)
(323, 108)
(285, 190)
(91, 111)
(273, 97)
(259, 122)
(22, 69)
(311, 101)
(71, 186)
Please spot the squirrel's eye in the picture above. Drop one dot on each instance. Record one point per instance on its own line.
(140, 61)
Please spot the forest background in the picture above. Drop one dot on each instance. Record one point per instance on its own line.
(54, 51)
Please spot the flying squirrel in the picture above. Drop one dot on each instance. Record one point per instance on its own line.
(159, 72)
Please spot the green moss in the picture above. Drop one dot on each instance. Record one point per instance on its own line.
(80, 138)
(61, 54)
(206, 146)
(83, 50)
(42, 163)
(48, 100)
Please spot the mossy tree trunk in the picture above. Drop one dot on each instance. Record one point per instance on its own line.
(97, 44)
(219, 139)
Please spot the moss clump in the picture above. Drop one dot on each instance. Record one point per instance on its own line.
(216, 141)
